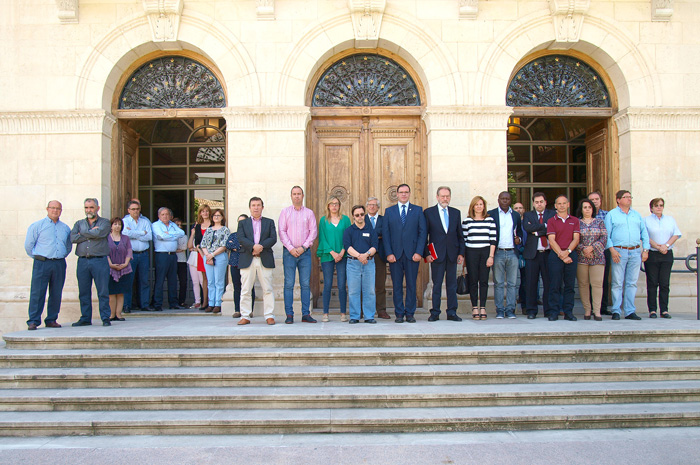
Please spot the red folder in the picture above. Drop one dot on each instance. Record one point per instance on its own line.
(431, 249)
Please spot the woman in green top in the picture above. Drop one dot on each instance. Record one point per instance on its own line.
(332, 254)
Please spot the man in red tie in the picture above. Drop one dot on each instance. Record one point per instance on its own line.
(536, 253)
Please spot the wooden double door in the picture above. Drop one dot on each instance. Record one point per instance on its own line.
(354, 154)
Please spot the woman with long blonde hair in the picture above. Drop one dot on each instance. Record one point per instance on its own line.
(332, 255)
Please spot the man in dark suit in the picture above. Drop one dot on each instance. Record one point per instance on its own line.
(444, 225)
(536, 254)
(505, 264)
(404, 242)
(256, 235)
(374, 219)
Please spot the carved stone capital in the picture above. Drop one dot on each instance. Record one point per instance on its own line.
(57, 122)
(658, 119)
(468, 9)
(67, 11)
(366, 21)
(454, 118)
(164, 18)
(567, 16)
(266, 118)
(661, 10)
(265, 9)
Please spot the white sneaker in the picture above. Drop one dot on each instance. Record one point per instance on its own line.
(325, 318)
(343, 317)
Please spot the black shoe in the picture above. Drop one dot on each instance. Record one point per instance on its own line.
(435, 317)
(398, 319)
(454, 318)
(616, 316)
(531, 316)
(175, 307)
(553, 317)
(652, 315)
(147, 309)
(633, 316)
(157, 309)
(289, 320)
(371, 321)
(106, 323)
(570, 318)
(82, 323)
(308, 319)
(353, 321)
(126, 310)
(665, 315)
(410, 319)
(605, 312)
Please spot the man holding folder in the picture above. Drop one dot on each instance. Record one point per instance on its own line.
(444, 251)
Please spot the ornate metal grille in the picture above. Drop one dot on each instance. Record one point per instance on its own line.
(557, 81)
(365, 80)
(172, 82)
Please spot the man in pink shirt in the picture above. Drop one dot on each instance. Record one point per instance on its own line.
(297, 231)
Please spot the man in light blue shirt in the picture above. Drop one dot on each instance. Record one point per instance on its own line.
(138, 228)
(48, 243)
(628, 242)
(165, 236)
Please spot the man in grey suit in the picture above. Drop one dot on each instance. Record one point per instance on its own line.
(256, 235)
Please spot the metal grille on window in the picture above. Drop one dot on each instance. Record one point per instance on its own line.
(365, 80)
(172, 82)
(557, 81)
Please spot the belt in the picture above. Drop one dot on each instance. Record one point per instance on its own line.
(93, 256)
(627, 248)
(141, 251)
(506, 249)
(168, 253)
(354, 258)
(543, 251)
(43, 259)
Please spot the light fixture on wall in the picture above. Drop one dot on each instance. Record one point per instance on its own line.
(208, 126)
(513, 128)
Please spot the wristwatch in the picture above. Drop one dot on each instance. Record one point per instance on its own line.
(568, 250)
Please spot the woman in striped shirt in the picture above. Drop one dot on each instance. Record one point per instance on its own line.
(479, 231)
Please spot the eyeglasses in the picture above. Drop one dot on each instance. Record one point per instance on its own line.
(627, 197)
(659, 205)
(359, 215)
(217, 215)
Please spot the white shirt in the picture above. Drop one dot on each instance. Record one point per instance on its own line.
(505, 231)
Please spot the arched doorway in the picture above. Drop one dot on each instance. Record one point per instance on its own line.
(365, 138)
(560, 135)
(170, 145)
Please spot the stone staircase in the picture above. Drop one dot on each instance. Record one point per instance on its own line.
(328, 378)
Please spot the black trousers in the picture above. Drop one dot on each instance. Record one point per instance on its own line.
(535, 268)
(236, 280)
(658, 268)
(182, 279)
(478, 274)
(447, 270)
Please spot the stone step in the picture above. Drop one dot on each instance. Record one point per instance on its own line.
(213, 377)
(351, 356)
(384, 335)
(335, 397)
(198, 422)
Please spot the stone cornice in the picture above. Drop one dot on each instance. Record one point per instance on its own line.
(453, 118)
(266, 118)
(57, 122)
(658, 119)
(68, 11)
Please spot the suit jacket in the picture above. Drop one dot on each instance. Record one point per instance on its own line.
(380, 235)
(517, 226)
(400, 239)
(448, 245)
(268, 238)
(531, 224)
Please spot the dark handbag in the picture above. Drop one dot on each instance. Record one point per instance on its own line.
(462, 284)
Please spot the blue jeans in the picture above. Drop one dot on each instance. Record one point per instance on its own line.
(558, 272)
(361, 289)
(140, 264)
(166, 267)
(624, 276)
(49, 274)
(216, 279)
(340, 268)
(505, 277)
(93, 269)
(291, 263)
(404, 266)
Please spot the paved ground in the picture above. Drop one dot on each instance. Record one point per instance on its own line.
(666, 446)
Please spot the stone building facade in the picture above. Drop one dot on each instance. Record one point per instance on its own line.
(64, 134)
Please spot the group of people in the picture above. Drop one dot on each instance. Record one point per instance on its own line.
(555, 247)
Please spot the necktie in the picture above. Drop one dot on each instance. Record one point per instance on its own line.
(374, 221)
(403, 215)
(543, 241)
(447, 219)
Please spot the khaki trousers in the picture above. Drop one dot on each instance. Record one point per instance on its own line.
(248, 276)
(590, 275)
